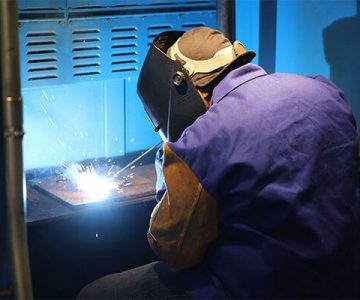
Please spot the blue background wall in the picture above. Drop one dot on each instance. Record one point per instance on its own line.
(321, 37)
(247, 24)
(312, 37)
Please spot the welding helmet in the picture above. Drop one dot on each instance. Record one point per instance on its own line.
(169, 96)
(175, 64)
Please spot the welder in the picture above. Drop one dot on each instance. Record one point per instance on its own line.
(256, 179)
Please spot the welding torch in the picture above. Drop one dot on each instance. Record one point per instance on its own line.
(139, 157)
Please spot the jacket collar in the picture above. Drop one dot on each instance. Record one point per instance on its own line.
(234, 79)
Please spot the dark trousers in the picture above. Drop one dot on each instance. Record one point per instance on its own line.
(152, 281)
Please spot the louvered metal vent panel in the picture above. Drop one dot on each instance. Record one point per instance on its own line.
(41, 55)
(86, 51)
(124, 49)
(45, 53)
(59, 52)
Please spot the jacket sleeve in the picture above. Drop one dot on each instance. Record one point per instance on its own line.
(185, 221)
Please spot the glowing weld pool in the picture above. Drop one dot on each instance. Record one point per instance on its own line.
(84, 186)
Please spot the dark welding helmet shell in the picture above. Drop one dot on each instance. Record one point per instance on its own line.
(166, 91)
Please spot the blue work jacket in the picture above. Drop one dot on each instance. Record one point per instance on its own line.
(278, 153)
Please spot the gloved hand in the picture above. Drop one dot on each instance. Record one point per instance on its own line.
(160, 183)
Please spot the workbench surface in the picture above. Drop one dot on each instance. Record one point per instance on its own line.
(42, 206)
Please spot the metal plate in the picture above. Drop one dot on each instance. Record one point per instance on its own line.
(130, 186)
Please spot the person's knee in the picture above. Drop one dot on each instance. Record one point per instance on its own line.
(102, 288)
(119, 285)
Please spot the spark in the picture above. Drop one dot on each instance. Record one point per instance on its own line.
(46, 97)
(60, 141)
(86, 179)
(51, 121)
(108, 173)
(43, 109)
(98, 187)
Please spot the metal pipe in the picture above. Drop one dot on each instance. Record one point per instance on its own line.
(4, 259)
(13, 134)
(225, 18)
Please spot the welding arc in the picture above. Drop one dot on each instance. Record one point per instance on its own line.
(139, 157)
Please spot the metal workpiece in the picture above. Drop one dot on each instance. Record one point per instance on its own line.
(12, 120)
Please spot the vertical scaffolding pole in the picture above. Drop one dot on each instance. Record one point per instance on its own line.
(13, 134)
(225, 18)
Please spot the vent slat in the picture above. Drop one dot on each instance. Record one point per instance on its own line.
(124, 53)
(40, 34)
(44, 68)
(40, 43)
(124, 62)
(123, 29)
(87, 65)
(41, 60)
(159, 27)
(43, 77)
(123, 46)
(86, 31)
(86, 40)
(194, 25)
(41, 51)
(124, 37)
(124, 70)
(87, 73)
(86, 48)
(86, 56)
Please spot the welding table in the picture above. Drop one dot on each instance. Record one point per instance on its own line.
(69, 247)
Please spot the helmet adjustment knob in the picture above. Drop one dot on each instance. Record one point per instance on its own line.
(178, 78)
